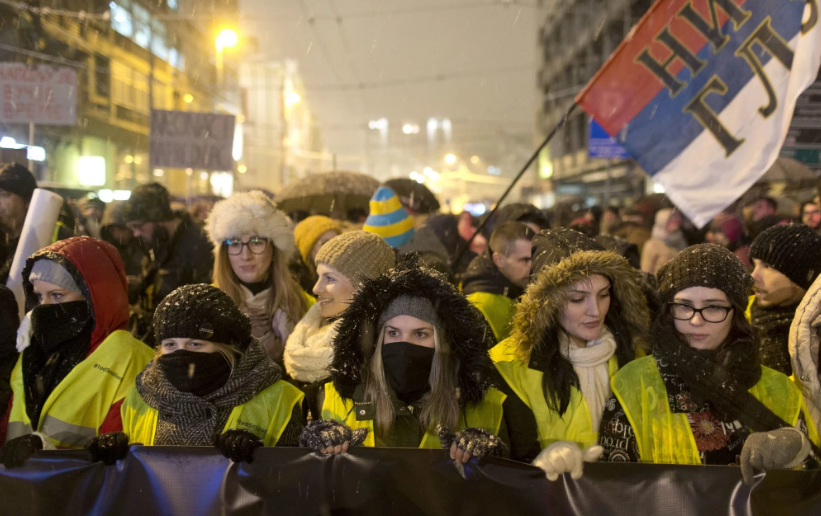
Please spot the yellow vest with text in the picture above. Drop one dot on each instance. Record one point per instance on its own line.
(76, 409)
(665, 437)
(265, 415)
(574, 425)
(487, 415)
(498, 311)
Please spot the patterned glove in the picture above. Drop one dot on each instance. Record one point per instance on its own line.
(238, 445)
(108, 448)
(566, 457)
(328, 433)
(784, 448)
(17, 451)
(474, 441)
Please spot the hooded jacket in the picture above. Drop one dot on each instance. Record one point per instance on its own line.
(521, 360)
(97, 269)
(804, 347)
(492, 293)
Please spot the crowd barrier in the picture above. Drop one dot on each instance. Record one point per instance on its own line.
(200, 481)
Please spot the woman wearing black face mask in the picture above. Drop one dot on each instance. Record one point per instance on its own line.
(210, 383)
(77, 362)
(410, 369)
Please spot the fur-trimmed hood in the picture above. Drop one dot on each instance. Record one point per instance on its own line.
(804, 344)
(462, 325)
(250, 213)
(547, 294)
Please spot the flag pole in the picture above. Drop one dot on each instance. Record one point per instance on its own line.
(516, 180)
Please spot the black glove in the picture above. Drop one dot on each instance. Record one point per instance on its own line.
(238, 445)
(475, 441)
(328, 433)
(784, 448)
(18, 450)
(108, 448)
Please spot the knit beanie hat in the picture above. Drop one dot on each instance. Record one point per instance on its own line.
(419, 307)
(202, 312)
(148, 203)
(357, 255)
(554, 245)
(388, 218)
(17, 179)
(54, 273)
(307, 232)
(791, 249)
(705, 265)
(250, 213)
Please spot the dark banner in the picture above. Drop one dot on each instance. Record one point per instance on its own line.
(199, 481)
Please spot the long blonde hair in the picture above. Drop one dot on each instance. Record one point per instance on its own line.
(285, 293)
(439, 406)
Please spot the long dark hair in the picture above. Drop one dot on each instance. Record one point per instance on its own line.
(559, 375)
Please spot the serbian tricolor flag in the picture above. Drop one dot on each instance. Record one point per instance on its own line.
(701, 93)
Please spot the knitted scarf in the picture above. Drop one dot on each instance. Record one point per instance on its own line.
(185, 419)
(590, 365)
(773, 326)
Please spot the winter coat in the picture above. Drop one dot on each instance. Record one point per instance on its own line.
(655, 254)
(522, 360)
(111, 359)
(446, 229)
(461, 325)
(773, 327)
(804, 347)
(492, 293)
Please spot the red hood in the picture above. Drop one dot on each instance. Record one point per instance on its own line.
(99, 272)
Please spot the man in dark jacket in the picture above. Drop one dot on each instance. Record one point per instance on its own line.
(177, 250)
(17, 185)
(497, 278)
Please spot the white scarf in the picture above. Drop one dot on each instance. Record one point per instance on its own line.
(590, 364)
(309, 349)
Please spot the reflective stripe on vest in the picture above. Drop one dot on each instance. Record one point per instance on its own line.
(575, 425)
(266, 415)
(498, 311)
(76, 409)
(665, 437)
(486, 415)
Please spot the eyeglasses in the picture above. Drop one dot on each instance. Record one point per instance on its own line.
(711, 314)
(256, 245)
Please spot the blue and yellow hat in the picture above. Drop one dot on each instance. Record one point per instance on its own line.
(389, 219)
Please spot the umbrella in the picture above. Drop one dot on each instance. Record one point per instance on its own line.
(413, 195)
(787, 170)
(334, 194)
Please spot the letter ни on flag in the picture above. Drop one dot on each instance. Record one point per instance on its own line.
(701, 93)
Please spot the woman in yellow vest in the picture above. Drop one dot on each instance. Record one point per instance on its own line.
(410, 370)
(580, 320)
(209, 377)
(703, 393)
(77, 361)
(253, 243)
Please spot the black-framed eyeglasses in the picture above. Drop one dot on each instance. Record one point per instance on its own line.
(256, 245)
(711, 314)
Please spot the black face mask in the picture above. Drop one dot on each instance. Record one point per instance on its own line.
(53, 325)
(407, 367)
(197, 373)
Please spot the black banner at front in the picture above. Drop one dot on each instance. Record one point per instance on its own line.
(200, 481)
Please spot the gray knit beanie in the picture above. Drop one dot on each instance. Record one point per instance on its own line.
(357, 255)
(54, 273)
(419, 307)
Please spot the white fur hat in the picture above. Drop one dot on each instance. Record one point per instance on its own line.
(250, 213)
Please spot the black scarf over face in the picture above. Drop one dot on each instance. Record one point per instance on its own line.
(61, 337)
(721, 377)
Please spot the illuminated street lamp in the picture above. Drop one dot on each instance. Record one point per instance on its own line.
(450, 159)
(292, 98)
(227, 38)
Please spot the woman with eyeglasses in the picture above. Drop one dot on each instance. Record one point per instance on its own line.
(704, 397)
(253, 242)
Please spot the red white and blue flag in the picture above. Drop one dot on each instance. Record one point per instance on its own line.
(701, 93)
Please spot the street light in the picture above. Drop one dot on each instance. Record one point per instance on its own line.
(227, 38)
(450, 159)
(292, 98)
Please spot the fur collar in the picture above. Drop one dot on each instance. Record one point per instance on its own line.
(545, 297)
(462, 324)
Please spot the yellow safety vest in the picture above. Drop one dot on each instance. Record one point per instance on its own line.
(486, 415)
(265, 415)
(575, 425)
(498, 311)
(76, 409)
(665, 437)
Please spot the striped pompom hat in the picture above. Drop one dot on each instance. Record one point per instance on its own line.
(389, 219)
